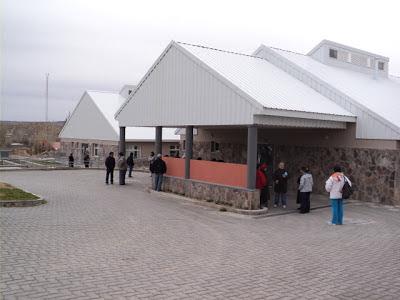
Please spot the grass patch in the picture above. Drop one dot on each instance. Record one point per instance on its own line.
(8, 192)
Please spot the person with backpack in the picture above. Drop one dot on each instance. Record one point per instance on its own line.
(110, 165)
(262, 185)
(130, 163)
(339, 187)
(305, 189)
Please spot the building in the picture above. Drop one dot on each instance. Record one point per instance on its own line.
(92, 128)
(334, 105)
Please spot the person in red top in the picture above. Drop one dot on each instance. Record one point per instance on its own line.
(262, 185)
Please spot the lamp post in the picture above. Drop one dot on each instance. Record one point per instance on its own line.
(47, 97)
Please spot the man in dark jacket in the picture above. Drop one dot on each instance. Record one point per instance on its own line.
(280, 185)
(159, 168)
(110, 165)
(130, 163)
(71, 161)
(86, 160)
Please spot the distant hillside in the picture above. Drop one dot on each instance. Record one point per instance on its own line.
(34, 135)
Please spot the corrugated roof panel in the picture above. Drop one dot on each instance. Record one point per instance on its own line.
(381, 95)
(265, 83)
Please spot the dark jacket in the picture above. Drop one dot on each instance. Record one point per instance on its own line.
(159, 166)
(110, 163)
(86, 158)
(70, 158)
(282, 177)
(129, 161)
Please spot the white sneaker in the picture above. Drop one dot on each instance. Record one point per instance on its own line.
(284, 206)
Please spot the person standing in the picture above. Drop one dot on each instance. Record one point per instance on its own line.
(159, 168)
(305, 189)
(71, 161)
(86, 160)
(151, 161)
(262, 185)
(130, 164)
(122, 166)
(110, 165)
(280, 188)
(334, 186)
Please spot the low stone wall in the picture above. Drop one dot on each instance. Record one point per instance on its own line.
(219, 194)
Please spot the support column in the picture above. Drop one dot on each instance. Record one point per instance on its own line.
(188, 150)
(121, 145)
(251, 156)
(158, 144)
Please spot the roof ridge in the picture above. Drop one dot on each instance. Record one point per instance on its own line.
(106, 92)
(220, 50)
(290, 51)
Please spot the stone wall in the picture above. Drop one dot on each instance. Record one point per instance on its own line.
(375, 173)
(228, 152)
(219, 194)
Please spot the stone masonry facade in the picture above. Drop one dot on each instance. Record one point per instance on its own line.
(236, 197)
(374, 172)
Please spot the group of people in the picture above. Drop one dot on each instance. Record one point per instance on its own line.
(336, 185)
(86, 160)
(124, 166)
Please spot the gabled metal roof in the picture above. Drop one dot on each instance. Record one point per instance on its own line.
(380, 95)
(107, 104)
(265, 83)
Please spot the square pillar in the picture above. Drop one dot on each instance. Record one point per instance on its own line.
(122, 144)
(158, 141)
(251, 156)
(188, 150)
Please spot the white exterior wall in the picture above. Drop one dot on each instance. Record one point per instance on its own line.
(88, 122)
(162, 98)
(369, 125)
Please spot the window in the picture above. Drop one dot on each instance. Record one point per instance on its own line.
(381, 65)
(95, 150)
(135, 149)
(174, 150)
(214, 146)
(84, 148)
(333, 53)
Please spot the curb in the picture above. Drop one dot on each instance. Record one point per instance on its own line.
(221, 208)
(22, 203)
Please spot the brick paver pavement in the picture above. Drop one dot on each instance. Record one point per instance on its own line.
(93, 241)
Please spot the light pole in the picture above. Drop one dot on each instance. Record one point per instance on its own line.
(47, 96)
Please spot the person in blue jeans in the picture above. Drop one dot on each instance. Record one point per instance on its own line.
(159, 169)
(334, 186)
(280, 177)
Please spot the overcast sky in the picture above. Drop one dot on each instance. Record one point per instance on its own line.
(103, 45)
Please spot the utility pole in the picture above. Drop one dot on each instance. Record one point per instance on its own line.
(47, 97)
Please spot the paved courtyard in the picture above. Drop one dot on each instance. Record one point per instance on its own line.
(93, 241)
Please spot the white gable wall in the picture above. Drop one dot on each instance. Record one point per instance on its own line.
(369, 124)
(179, 91)
(88, 122)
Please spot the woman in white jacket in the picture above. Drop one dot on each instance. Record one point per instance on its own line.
(334, 186)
